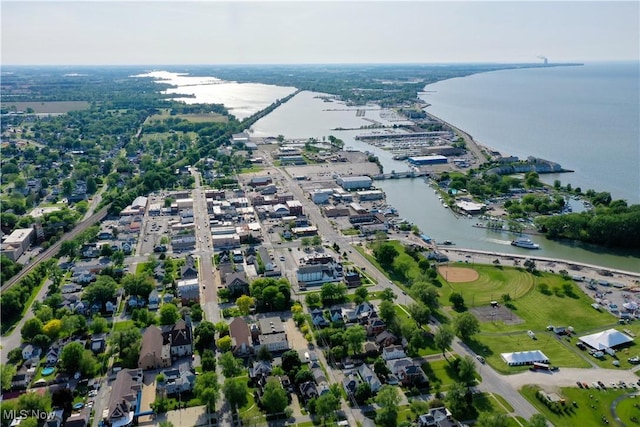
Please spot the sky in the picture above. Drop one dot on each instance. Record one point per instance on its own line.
(306, 32)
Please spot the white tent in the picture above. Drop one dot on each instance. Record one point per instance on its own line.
(605, 339)
(524, 357)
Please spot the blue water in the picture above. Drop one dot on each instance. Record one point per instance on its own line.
(587, 118)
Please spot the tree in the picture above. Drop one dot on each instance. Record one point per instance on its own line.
(34, 402)
(537, 420)
(420, 313)
(355, 337)
(380, 367)
(31, 328)
(208, 361)
(387, 295)
(169, 314)
(467, 370)
(274, 399)
(224, 344)
(458, 401)
(264, 354)
(127, 344)
(426, 293)
(387, 312)
(6, 375)
(52, 328)
(71, 356)
(487, 419)
(222, 328)
(313, 300)
(443, 337)
(466, 325)
(326, 406)
(385, 253)
(291, 362)
(388, 400)
(206, 389)
(101, 291)
(88, 366)
(244, 304)
(457, 300)
(361, 294)
(235, 392)
(138, 284)
(205, 334)
(231, 367)
(362, 392)
(333, 292)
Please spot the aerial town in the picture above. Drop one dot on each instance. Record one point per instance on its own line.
(148, 279)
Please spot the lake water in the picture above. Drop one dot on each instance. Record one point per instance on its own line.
(586, 118)
(241, 99)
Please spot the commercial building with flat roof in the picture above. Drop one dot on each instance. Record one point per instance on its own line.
(354, 182)
(17, 242)
(427, 160)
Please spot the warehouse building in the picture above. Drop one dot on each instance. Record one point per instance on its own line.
(354, 182)
(427, 160)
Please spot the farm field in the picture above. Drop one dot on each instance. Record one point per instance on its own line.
(51, 107)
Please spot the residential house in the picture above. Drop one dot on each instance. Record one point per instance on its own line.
(179, 338)
(350, 383)
(154, 300)
(368, 376)
(308, 390)
(123, 400)
(376, 326)
(52, 356)
(20, 381)
(358, 314)
(437, 417)
(98, 343)
(78, 419)
(240, 337)
(352, 279)
(110, 307)
(237, 283)
(393, 352)
(319, 274)
(189, 269)
(407, 371)
(335, 315)
(260, 369)
(31, 352)
(385, 339)
(177, 381)
(318, 319)
(153, 353)
(188, 290)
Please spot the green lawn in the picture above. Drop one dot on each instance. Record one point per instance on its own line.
(588, 411)
(440, 371)
(628, 409)
(124, 325)
(492, 345)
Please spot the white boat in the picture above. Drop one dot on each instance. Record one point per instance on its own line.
(525, 243)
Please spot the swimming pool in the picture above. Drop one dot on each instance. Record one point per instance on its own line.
(47, 371)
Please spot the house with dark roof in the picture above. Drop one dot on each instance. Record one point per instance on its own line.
(317, 318)
(260, 368)
(189, 269)
(177, 381)
(179, 338)
(308, 390)
(123, 400)
(237, 283)
(242, 344)
(98, 343)
(350, 383)
(409, 373)
(437, 417)
(78, 419)
(375, 326)
(385, 339)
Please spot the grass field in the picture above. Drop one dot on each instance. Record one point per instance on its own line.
(193, 118)
(124, 325)
(492, 345)
(55, 107)
(586, 412)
